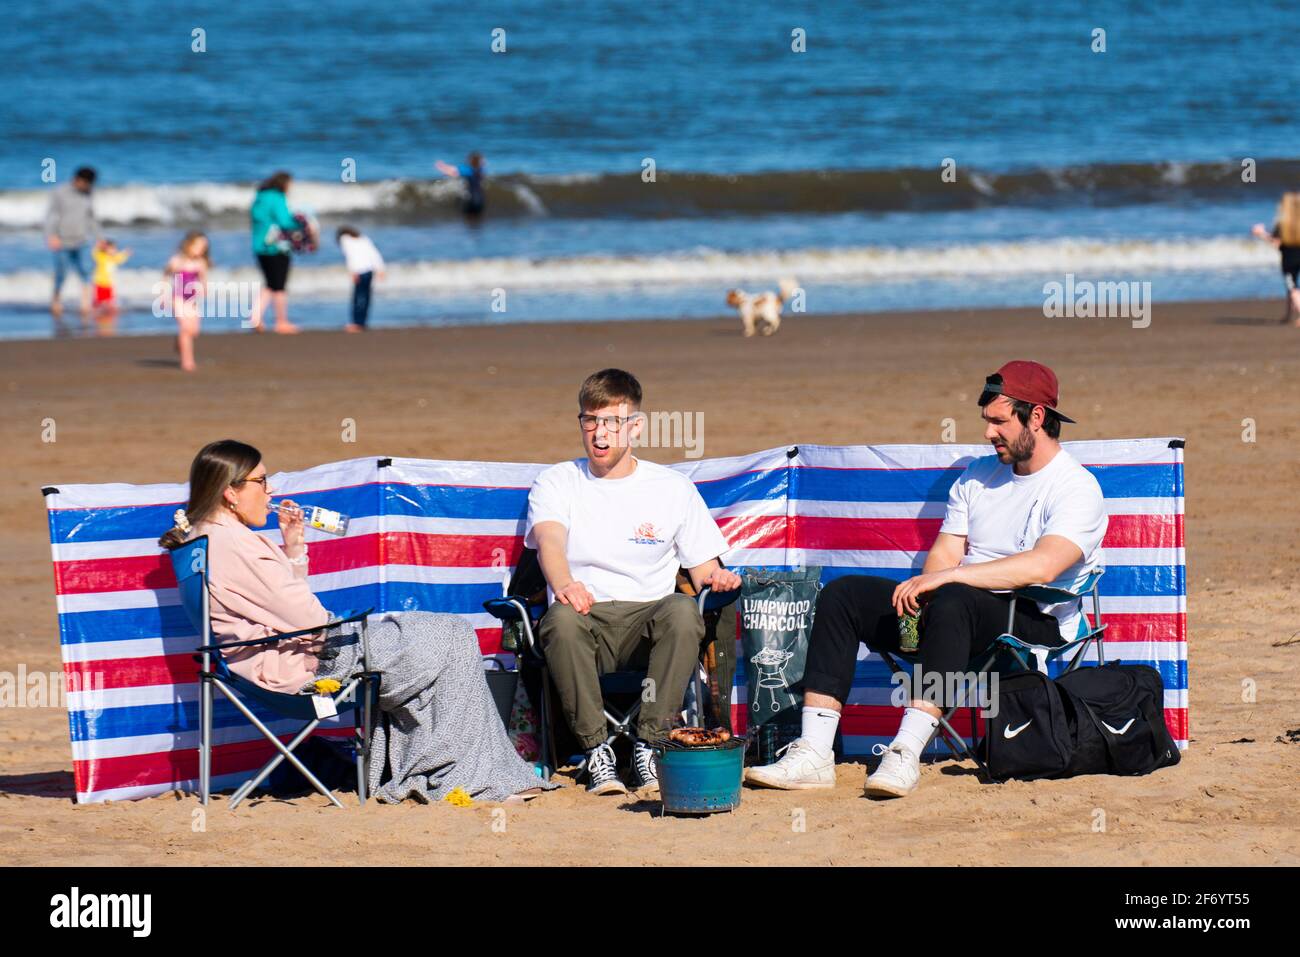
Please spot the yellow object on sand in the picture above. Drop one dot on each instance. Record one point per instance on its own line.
(326, 686)
(459, 797)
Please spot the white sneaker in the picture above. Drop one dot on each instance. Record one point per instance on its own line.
(801, 767)
(898, 773)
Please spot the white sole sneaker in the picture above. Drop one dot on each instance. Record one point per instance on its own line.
(756, 776)
(897, 775)
(884, 789)
(609, 787)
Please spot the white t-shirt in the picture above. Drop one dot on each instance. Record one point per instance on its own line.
(360, 254)
(627, 536)
(1002, 513)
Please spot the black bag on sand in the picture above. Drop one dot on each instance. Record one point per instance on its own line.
(1102, 720)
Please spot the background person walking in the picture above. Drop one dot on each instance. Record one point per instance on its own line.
(69, 226)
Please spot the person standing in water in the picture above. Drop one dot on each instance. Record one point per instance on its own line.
(273, 225)
(1285, 236)
(472, 174)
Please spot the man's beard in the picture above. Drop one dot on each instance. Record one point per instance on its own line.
(1022, 449)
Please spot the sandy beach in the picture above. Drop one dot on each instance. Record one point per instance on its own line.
(125, 413)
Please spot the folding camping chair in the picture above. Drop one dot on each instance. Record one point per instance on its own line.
(1089, 633)
(190, 562)
(516, 608)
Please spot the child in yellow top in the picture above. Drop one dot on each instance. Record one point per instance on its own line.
(107, 258)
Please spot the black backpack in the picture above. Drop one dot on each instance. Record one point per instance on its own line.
(1104, 720)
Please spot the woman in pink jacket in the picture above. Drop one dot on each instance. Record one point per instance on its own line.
(443, 730)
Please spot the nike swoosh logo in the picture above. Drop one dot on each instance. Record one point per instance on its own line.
(1008, 733)
(1128, 725)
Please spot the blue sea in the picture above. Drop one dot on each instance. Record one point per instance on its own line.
(644, 158)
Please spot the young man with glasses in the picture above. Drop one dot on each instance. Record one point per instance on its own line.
(611, 532)
(1028, 514)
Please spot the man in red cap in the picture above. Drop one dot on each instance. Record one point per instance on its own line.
(1028, 514)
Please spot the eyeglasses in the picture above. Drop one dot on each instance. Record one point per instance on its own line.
(612, 423)
(260, 480)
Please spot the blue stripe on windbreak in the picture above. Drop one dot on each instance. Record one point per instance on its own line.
(455, 501)
(464, 598)
(1119, 580)
(170, 621)
(932, 485)
(73, 525)
(874, 673)
(174, 717)
(872, 485)
(746, 487)
(125, 624)
(1139, 481)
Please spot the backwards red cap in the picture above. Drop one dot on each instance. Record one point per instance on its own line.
(1027, 381)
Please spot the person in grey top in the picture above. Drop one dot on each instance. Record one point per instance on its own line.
(70, 228)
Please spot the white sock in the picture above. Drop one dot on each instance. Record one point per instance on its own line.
(819, 726)
(916, 730)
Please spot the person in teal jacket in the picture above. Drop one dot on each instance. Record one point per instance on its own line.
(273, 224)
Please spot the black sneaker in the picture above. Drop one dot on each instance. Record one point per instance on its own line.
(645, 773)
(602, 771)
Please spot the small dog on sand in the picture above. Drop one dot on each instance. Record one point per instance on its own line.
(761, 312)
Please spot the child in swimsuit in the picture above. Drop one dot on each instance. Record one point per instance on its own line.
(188, 271)
(107, 258)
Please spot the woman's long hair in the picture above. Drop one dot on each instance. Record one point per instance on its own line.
(1288, 219)
(217, 466)
(279, 180)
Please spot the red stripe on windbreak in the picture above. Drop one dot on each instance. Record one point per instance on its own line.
(753, 531)
(881, 720)
(168, 767)
(1144, 531)
(136, 572)
(1139, 627)
(452, 551)
(139, 672)
(178, 669)
(864, 534)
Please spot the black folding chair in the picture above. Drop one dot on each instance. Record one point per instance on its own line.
(517, 609)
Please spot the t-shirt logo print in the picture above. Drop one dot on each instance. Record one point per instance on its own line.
(646, 535)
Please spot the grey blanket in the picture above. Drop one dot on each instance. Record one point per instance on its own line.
(438, 727)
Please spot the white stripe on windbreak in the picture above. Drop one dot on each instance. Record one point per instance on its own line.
(826, 508)
(98, 750)
(443, 575)
(454, 526)
(219, 783)
(185, 644)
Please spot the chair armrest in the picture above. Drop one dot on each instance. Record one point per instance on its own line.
(1047, 594)
(285, 635)
(708, 600)
(1051, 595)
(505, 608)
